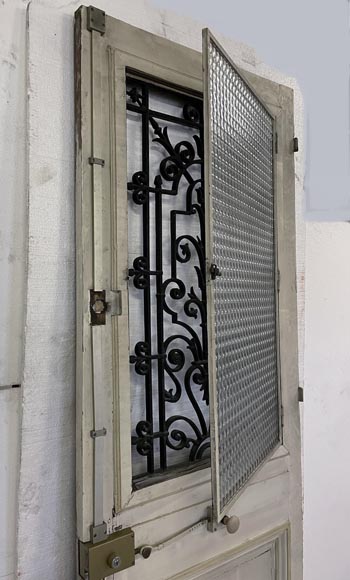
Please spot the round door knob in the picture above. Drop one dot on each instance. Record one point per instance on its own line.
(146, 551)
(232, 524)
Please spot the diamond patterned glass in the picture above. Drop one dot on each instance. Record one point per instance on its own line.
(244, 296)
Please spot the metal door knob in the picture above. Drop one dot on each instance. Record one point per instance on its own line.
(214, 271)
(232, 524)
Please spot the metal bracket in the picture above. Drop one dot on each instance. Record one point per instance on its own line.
(96, 161)
(98, 533)
(96, 19)
(300, 394)
(212, 524)
(99, 433)
(295, 145)
(114, 301)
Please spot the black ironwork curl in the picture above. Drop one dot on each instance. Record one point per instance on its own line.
(140, 273)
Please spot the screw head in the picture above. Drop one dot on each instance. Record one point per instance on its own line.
(114, 561)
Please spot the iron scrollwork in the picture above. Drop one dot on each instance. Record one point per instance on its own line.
(182, 356)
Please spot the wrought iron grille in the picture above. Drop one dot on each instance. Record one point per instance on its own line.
(167, 291)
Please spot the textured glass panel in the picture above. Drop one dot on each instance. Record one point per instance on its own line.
(244, 296)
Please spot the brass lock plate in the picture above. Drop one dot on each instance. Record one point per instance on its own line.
(116, 553)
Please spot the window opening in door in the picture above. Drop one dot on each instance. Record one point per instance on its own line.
(167, 289)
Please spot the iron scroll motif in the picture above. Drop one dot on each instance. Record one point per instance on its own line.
(181, 357)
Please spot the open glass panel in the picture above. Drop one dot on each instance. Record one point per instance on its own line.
(242, 288)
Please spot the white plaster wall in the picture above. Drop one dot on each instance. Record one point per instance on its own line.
(9, 461)
(12, 188)
(46, 523)
(13, 235)
(327, 402)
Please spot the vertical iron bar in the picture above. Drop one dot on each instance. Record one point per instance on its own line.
(147, 290)
(203, 238)
(160, 327)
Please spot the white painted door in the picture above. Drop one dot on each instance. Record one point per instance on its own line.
(170, 515)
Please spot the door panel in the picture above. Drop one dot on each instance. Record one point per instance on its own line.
(261, 567)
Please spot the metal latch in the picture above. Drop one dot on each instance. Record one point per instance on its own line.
(98, 307)
(113, 554)
(101, 302)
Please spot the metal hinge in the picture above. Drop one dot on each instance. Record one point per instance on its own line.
(278, 280)
(276, 142)
(212, 524)
(282, 416)
(98, 533)
(295, 145)
(300, 394)
(96, 19)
